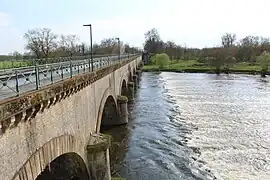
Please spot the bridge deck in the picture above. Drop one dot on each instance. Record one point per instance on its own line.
(16, 81)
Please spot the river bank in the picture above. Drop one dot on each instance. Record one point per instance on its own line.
(193, 66)
(206, 70)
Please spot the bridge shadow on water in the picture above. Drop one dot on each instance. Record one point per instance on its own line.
(120, 134)
(119, 145)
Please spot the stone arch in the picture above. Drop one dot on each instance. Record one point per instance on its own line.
(65, 166)
(129, 73)
(43, 156)
(129, 67)
(123, 89)
(130, 76)
(134, 71)
(107, 99)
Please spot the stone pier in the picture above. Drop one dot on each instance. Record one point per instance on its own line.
(122, 109)
(131, 91)
(98, 157)
(139, 73)
(135, 81)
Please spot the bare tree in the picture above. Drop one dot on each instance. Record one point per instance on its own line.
(170, 49)
(40, 41)
(218, 58)
(17, 55)
(248, 46)
(228, 40)
(153, 43)
(130, 49)
(83, 48)
(69, 43)
(108, 46)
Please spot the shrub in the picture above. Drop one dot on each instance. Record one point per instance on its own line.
(162, 60)
(153, 59)
(264, 61)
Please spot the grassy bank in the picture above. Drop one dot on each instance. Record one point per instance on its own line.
(193, 66)
(14, 64)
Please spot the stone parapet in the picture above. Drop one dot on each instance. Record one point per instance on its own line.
(25, 107)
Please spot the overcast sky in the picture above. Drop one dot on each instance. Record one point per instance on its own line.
(196, 23)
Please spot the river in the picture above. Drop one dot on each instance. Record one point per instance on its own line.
(195, 126)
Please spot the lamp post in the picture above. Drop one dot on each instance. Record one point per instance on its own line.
(118, 39)
(91, 47)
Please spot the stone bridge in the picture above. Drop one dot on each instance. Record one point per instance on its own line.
(61, 123)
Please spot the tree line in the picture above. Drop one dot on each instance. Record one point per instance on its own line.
(44, 43)
(229, 52)
(155, 45)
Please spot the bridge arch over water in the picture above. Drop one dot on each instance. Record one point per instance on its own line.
(107, 112)
(66, 166)
(62, 121)
(124, 88)
(55, 151)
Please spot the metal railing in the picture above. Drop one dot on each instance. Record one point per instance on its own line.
(14, 62)
(16, 81)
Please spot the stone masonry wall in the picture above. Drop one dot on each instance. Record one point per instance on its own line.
(74, 112)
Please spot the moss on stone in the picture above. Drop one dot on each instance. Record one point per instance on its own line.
(36, 99)
(69, 84)
(131, 83)
(81, 79)
(122, 98)
(100, 143)
(97, 147)
(15, 105)
(57, 89)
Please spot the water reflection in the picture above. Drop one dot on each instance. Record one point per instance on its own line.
(119, 146)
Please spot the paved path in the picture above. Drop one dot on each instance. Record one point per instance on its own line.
(26, 79)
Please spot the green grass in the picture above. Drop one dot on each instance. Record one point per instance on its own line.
(14, 64)
(195, 66)
(180, 65)
(246, 66)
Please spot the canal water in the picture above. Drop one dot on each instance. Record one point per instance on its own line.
(195, 126)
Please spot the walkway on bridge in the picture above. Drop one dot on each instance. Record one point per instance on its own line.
(16, 81)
